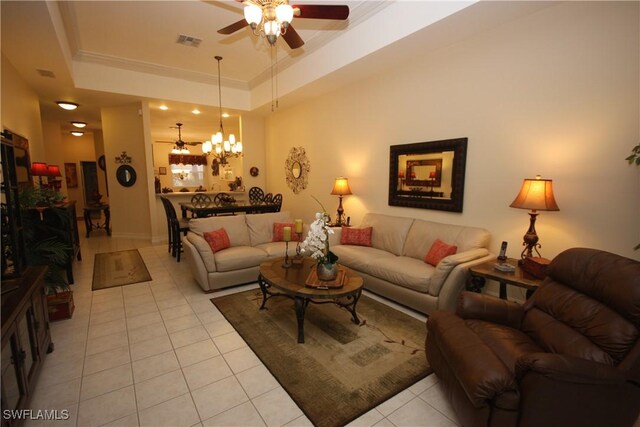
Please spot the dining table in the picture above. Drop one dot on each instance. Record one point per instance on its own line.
(203, 211)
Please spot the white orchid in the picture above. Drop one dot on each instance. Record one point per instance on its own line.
(317, 242)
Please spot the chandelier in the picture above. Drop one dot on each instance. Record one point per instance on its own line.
(269, 18)
(220, 147)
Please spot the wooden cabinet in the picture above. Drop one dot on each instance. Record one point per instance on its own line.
(25, 339)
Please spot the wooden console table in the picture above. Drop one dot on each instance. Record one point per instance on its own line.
(480, 273)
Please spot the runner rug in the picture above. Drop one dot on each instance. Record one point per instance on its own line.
(342, 370)
(118, 268)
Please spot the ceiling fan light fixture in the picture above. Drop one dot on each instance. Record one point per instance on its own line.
(284, 14)
(253, 15)
(207, 147)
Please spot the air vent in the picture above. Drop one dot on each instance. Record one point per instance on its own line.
(189, 40)
(46, 73)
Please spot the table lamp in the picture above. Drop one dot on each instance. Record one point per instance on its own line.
(340, 189)
(537, 195)
(53, 171)
(39, 169)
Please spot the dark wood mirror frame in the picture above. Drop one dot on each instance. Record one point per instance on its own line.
(403, 191)
(126, 175)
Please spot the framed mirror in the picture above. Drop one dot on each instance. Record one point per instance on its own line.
(297, 169)
(428, 175)
(126, 175)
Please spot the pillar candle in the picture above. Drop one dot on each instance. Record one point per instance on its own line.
(286, 234)
(298, 226)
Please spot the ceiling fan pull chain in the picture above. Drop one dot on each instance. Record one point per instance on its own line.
(277, 93)
(272, 97)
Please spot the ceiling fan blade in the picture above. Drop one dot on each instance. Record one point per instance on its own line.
(316, 11)
(292, 38)
(233, 27)
(167, 142)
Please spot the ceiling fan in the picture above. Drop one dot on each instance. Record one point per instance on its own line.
(180, 145)
(272, 18)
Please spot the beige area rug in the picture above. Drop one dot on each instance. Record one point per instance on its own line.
(342, 370)
(118, 269)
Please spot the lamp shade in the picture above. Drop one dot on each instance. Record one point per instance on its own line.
(54, 170)
(39, 169)
(536, 194)
(341, 187)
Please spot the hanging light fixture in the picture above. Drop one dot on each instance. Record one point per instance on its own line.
(270, 20)
(219, 147)
(180, 147)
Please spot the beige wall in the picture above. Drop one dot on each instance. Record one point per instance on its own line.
(122, 130)
(20, 110)
(555, 93)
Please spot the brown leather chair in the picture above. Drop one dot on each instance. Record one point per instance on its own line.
(570, 356)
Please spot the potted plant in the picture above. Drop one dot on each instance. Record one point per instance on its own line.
(46, 245)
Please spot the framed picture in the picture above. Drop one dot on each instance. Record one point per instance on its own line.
(71, 175)
(162, 170)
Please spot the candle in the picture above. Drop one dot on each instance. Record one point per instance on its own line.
(298, 226)
(286, 234)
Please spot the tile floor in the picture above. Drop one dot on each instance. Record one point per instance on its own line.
(160, 354)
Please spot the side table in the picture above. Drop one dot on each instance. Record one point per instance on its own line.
(88, 222)
(480, 273)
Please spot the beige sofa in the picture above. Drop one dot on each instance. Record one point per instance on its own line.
(394, 265)
(250, 237)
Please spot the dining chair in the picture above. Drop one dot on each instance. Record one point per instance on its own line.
(268, 198)
(256, 195)
(277, 201)
(201, 200)
(175, 226)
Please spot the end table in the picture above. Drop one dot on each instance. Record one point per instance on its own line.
(481, 272)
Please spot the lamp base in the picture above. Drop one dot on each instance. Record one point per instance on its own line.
(530, 239)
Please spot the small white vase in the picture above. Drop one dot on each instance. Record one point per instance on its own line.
(327, 272)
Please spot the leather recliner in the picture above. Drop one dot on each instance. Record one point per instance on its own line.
(570, 356)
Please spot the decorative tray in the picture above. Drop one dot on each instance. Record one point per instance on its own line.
(313, 281)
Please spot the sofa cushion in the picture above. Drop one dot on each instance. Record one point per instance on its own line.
(404, 271)
(438, 251)
(261, 226)
(358, 257)
(356, 236)
(278, 232)
(276, 249)
(234, 225)
(389, 232)
(423, 234)
(238, 257)
(217, 239)
(204, 250)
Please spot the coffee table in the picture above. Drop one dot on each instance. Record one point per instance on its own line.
(276, 281)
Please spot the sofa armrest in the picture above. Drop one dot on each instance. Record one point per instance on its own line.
(334, 238)
(450, 276)
(204, 251)
(570, 369)
(472, 305)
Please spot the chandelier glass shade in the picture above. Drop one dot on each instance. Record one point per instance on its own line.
(270, 20)
(220, 147)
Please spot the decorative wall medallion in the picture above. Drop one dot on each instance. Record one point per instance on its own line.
(123, 158)
(296, 169)
(254, 171)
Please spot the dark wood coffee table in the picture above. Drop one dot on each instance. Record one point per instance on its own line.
(276, 281)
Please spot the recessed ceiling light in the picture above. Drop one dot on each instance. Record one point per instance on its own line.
(76, 133)
(164, 107)
(67, 105)
(195, 111)
(79, 124)
(226, 115)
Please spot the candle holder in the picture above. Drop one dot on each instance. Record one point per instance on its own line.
(298, 258)
(287, 260)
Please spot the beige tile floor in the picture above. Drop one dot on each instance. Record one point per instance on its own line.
(160, 354)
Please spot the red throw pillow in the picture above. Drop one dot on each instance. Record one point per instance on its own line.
(217, 239)
(278, 232)
(356, 236)
(439, 250)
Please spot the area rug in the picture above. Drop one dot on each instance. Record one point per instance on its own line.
(342, 370)
(118, 269)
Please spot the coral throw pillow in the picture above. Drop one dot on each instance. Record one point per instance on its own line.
(278, 232)
(217, 239)
(356, 236)
(439, 250)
